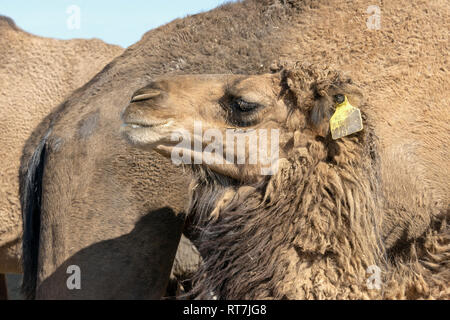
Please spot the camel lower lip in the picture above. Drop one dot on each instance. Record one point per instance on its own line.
(135, 125)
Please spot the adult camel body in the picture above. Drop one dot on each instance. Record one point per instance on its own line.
(36, 74)
(261, 31)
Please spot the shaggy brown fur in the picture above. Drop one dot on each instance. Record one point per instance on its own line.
(312, 230)
(316, 227)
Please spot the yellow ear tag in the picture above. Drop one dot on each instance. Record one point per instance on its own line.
(345, 120)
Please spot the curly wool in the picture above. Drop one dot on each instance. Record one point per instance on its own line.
(312, 230)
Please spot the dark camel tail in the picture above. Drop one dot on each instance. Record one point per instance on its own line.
(31, 214)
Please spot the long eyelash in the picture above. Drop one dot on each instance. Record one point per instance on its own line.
(245, 106)
(241, 119)
(234, 117)
(231, 115)
(246, 123)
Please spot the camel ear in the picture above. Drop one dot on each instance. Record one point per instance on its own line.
(320, 115)
(325, 104)
(313, 89)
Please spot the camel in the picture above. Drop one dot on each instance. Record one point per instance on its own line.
(36, 74)
(331, 33)
(77, 173)
(29, 95)
(49, 70)
(333, 207)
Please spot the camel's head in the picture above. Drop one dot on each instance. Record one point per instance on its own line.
(238, 125)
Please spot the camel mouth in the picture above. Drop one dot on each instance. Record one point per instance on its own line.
(146, 134)
(146, 124)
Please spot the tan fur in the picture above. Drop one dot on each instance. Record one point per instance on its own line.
(329, 32)
(36, 74)
(49, 70)
(46, 77)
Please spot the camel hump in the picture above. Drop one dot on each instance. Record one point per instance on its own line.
(8, 23)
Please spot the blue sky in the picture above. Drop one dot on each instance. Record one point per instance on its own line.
(120, 22)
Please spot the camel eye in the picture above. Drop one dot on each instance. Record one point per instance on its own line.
(244, 106)
(242, 113)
